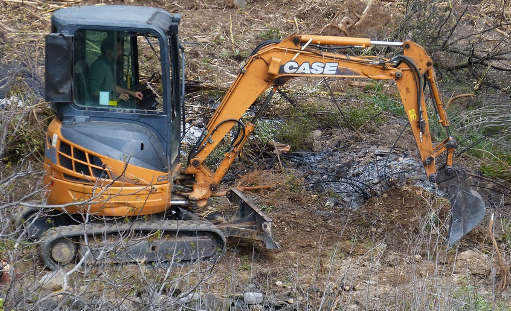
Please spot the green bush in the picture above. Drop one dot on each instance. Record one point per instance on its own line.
(499, 167)
(270, 34)
(301, 121)
(296, 133)
(383, 101)
(361, 115)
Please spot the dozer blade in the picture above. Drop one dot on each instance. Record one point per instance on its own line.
(467, 205)
(248, 222)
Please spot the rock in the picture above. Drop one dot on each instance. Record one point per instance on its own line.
(316, 134)
(290, 301)
(330, 202)
(474, 262)
(53, 281)
(239, 4)
(253, 298)
(279, 283)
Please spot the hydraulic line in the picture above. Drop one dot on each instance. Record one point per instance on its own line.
(418, 81)
(203, 139)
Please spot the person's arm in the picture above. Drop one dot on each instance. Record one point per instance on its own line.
(125, 93)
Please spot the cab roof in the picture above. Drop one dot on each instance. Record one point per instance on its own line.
(70, 19)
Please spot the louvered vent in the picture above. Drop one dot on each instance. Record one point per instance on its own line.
(80, 161)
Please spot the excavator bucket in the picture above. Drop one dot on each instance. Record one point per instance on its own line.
(467, 205)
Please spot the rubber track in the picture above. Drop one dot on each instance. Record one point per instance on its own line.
(76, 231)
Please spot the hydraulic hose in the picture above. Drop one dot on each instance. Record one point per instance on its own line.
(418, 82)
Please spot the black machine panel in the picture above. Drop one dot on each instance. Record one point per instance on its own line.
(58, 62)
(118, 140)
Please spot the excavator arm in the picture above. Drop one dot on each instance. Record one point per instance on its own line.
(273, 64)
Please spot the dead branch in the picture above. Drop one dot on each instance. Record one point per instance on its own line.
(486, 30)
(453, 28)
(365, 14)
(458, 97)
(503, 266)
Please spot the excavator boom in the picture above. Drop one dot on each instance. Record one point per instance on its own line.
(273, 64)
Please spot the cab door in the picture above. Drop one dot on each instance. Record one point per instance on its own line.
(176, 109)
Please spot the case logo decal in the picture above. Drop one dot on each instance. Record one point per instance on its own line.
(317, 68)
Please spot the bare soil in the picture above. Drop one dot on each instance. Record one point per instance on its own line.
(358, 256)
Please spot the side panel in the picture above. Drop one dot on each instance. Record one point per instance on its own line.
(99, 184)
(176, 102)
(123, 141)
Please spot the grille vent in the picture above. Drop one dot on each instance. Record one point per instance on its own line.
(80, 161)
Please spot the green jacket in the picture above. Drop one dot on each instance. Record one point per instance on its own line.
(102, 77)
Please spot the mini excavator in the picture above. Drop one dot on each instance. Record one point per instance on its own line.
(112, 155)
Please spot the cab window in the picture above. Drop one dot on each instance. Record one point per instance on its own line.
(117, 70)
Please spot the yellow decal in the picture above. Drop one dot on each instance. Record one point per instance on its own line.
(411, 115)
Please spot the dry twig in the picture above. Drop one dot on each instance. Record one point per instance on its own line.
(452, 99)
(503, 266)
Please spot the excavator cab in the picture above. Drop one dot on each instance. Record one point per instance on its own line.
(115, 80)
(97, 60)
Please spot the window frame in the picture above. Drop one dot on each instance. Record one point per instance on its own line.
(165, 67)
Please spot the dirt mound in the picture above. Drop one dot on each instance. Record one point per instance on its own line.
(400, 218)
(362, 255)
(405, 219)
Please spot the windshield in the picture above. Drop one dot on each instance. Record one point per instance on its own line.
(117, 70)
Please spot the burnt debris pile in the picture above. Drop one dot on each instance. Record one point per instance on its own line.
(351, 177)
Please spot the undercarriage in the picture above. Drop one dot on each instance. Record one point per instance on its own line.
(176, 236)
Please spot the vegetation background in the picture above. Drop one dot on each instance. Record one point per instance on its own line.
(388, 254)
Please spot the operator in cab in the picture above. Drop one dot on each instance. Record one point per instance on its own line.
(103, 84)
